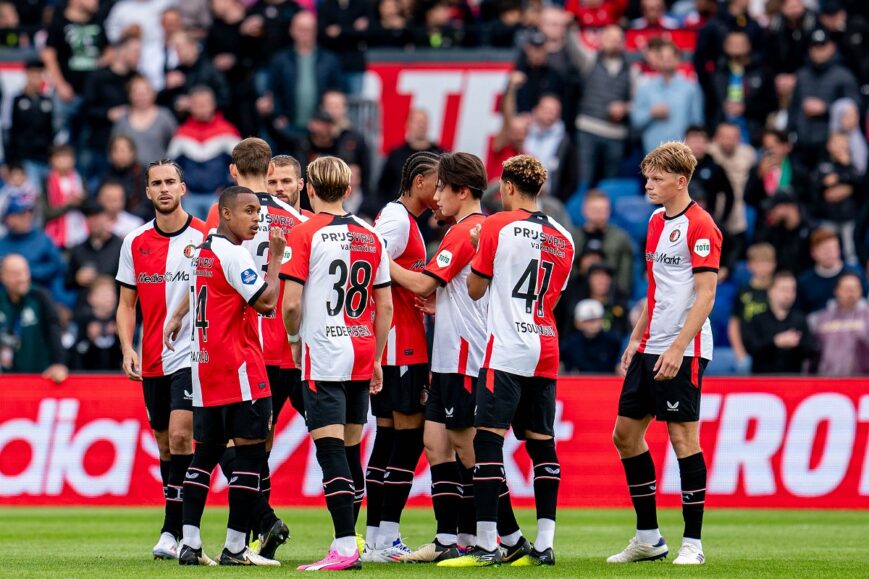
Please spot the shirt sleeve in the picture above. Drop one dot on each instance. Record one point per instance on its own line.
(484, 261)
(704, 243)
(382, 278)
(126, 274)
(453, 254)
(240, 272)
(212, 221)
(395, 231)
(296, 267)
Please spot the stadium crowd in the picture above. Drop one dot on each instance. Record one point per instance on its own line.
(771, 96)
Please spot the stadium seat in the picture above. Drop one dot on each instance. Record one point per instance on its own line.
(574, 205)
(723, 362)
(632, 214)
(620, 188)
(751, 222)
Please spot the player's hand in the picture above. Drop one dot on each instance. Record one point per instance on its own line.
(296, 349)
(131, 366)
(170, 333)
(427, 305)
(630, 351)
(376, 380)
(475, 235)
(277, 243)
(668, 364)
(57, 373)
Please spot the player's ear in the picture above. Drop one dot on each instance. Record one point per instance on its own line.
(301, 183)
(346, 193)
(233, 171)
(271, 170)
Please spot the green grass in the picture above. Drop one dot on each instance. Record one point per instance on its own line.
(116, 542)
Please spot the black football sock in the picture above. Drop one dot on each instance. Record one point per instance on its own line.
(175, 493)
(507, 523)
(244, 492)
(257, 525)
(446, 497)
(377, 463)
(692, 471)
(354, 461)
(399, 474)
(165, 467)
(197, 481)
(467, 512)
(640, 474)
(227, 462)
(337, 484)
(488, 478)
(547, 477)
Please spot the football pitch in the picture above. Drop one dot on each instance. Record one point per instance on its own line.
(116, 542)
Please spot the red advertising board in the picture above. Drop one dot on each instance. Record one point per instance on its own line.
(776, 442)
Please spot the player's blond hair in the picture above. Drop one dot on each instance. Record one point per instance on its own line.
(673, 157)
(330, 178)
(526, 173)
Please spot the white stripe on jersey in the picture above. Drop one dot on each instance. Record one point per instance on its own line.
(243, 381)
(459, 318)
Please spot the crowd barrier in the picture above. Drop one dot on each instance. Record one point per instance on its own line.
(769, 442)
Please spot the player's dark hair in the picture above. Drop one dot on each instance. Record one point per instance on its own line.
(421, 163)
(288, 161)
(526, 173)
(162, 163)
(229, 195)
(252, 157)
(463, 170)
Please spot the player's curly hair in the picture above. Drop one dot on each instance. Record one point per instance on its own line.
(526, 173)
(463, 170)
(672, 157)
(421, 163)
(330, 178)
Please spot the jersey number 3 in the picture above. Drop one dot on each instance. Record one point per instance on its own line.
(527, 289)
(352, 299)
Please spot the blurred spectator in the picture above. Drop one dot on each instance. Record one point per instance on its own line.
(97, 255)
(654, 17)
(594, 13)
(710, 39)
(29, 326)
(849, 32)
(501, 31)
(845, 118)
(604, 108)
(42, 255)
(320, 140)
(839, 192)
(709, 186)
(547, 140)
(842, 331)
(741, 89)
(439, 26)
(667, 104)
(124, 169)
(698, 13)
(202, 147)
(271, 19)
(73, 47)
(16, 185)
(817, 284)
(777, 172)
(601, 287)
(553, 23)
(112, 197)
(172, 22)
(415, 139)
(590, 349)
(31, 132)
(195, 15)
(819, 83)
(510, 140)
(779, 339)
(64, 193)
(97, 346)
(150, 127)
(106, 101)
(390, 27)
(598, 234)
(144, 17)
(751, 300)
(789, 35)
(353, 202)
(784, 94)
(298, 77)
(194, 69)
(737, 159)
(786, 229)
(342, 27)
(351, 144)
(540, 75)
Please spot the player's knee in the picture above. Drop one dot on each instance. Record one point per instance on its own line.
(624, 442)
(180, 442)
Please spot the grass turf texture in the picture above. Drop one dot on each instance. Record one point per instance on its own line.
(116, 542)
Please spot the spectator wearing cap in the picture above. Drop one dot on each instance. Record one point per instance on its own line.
(297, 79)
(777, 171)
(667, 104)
(42, 255)
(786, 228)
(788, 36)
(849, 32)
(416, 139)
(97, 255)
(590, 349)
(597, 233)
(540, 76)
(17, 185)
(29, 326)
(819, 84)
(194, 69)
(31, 132)
(842, 331)
(817, 284)
(603, 119)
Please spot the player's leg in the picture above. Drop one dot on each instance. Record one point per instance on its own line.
(356, 419)
(180, 440)
(157, 397)
(636, 410)
(683, 391)
(459, 395)
(381, 450)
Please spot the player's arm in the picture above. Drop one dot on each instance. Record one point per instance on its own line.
(669, 362)
(173, 326)
(268, 299)
(126, 322)
(382, 323)
(636, 337)
(477, 285)
(291, 308)
(419, 283)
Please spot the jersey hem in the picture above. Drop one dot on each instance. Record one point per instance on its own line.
(127, 285)
(257, 295)
(524, 374)
(382, 285)
(286, 277)
(685, 355)
(434, 276)
(704, 269)
(228, 401)
(481, 274)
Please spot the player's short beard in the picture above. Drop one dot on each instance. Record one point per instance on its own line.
(168, 211)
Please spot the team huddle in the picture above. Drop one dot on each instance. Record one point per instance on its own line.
(265, 303)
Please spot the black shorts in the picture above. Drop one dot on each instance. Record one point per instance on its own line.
(165, 394)
(676, 400)
(405, 389)
(451, 400)
(523, 402)
(328, 403)
(220, 424)
(286, 384)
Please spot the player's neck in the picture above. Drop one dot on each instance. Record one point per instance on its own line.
(336, 208)
(414, 205)
(677, 204)
(224, 231)
(171, 222)
(255, 184)
(526, 203)
(469, 209)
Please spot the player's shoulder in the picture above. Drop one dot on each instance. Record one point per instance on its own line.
(144, 229)
(562, 230)
(197, 224)
(223, 248)
(657, 215)
(279, 207)
(699, 217)
(393, 212)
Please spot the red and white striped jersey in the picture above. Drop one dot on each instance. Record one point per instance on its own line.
(340, 260)
(407, 343)
(528, 257)
(227, 361)
(158, 266)
(460, 323)
(273, 213)
(677, 248)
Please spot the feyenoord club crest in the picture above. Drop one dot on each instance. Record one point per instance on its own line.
(675, 235)
(189, 250)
